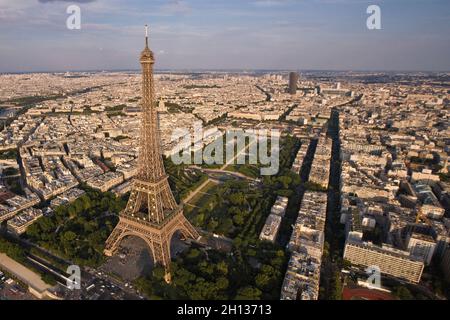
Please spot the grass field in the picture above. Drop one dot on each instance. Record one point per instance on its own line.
(199, 200)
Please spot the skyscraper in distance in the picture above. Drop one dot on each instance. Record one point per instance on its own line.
(293, 81)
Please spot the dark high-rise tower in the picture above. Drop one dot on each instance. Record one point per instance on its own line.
(152, 212)
(293, 81)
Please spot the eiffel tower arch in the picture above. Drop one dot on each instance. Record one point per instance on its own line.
(152, 212)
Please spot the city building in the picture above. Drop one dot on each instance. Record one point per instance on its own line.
(22, 221)
(392, 262)
(293, 82)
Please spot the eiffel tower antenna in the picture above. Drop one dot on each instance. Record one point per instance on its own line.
(146, 36)
(151, 212)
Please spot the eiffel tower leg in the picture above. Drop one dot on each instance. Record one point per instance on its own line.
(189, 229)
(112, 243)
(161, 253)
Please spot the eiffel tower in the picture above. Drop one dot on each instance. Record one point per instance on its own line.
(151, 212)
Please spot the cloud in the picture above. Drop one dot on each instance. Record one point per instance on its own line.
(76, 1)
(269, 3)
(280, 34)
(176, 7)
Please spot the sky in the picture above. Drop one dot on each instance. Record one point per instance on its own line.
(226, 34)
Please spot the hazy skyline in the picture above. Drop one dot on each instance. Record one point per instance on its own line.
(233, 34)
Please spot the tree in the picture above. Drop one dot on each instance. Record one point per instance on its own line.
(248, 293)
(12, 250)
(346, 264)
(199, 219)
(326, 250)
(206, 267)
(403, 293)
(85, 201)
(212, 225)
(238, 219)
(49, 279)
(72, 212)
(237, 198)
(277, 262)
(337, 290)
(193, 254)
(285, 180)
(159, 272)
(222, 283)
(234, 210)
(262, 280)
(222, 268)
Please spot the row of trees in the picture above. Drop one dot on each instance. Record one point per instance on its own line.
(9, 154)
(201, 275)
(78, 231)
(229, 208)
(331, 284)
(19, 253)
(12, 250)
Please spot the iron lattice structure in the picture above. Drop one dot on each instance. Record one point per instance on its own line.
(151, 212)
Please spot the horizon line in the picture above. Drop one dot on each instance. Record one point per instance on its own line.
(222, 70)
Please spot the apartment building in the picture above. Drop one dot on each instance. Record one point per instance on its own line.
(22, 221)
(393, 262)
(273, 222)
